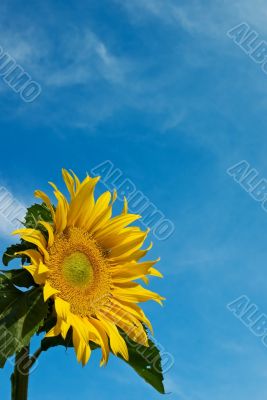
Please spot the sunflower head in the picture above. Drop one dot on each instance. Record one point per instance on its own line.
(88, 263)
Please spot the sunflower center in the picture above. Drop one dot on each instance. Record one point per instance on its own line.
(77, 269)
(80, 272)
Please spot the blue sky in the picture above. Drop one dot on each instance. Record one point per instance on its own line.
(158, 88)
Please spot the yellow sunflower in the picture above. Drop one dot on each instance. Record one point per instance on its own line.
(88, 262)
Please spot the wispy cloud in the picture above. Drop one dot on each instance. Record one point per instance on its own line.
(12, 212)
(87, 79)
(193, 17)
(78, 57)
(85, 58)
(198, 16)
(173, 387)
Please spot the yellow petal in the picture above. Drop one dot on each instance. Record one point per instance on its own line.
(35, 237)
(101, 213)
(117, 343)
(69, 181)
(135, 310)
(55, 331)
(33, 270)
(155, 272)
(102, 338)
(64, 327)
(82, 204)
(127, 322)
(125, 206)
(42, 268)
(79, 346)
(49, 291)
(129, 256)
(76, 181)
(129, 245)
(131, 271)
(115, 225)
(116, 238)
(34, 255)
(61, 209)
(41, 195)
(86, 355)
(80, 339)
(135, 293)
(50, 232)
(62, 308)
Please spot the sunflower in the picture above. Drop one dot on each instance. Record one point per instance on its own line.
(87, 262)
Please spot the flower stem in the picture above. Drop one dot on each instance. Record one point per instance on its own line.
(20, 376)
(35, 356)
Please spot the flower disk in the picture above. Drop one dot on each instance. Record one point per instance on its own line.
(88, 262)
(79, 271)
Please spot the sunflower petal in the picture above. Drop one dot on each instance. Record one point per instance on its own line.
(49, 291)
(69, 181)
(61, 209)
(114, 226)
(33, 255)
(35, 237)
(62, 308)
(135, 293)
(82, 203)
(50, 231)
(43, 196)
(103, 339)
(127, 322)
(117, 343)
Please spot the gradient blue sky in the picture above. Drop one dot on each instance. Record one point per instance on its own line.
(159, 89)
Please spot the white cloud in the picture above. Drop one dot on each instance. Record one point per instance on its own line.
(12, 211)
(86, 79)
(174, 388)
(174, 120)
(233, 347)
(208, 18)
(85, 58)
(193, 17)
(78, 57)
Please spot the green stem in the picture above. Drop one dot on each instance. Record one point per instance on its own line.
(20, 376)
(35, 356)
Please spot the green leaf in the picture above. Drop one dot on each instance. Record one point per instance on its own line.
(19, 277)
(9, 254)
(21, 315)
(49, 342)
(36, 213)
(146, 361)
